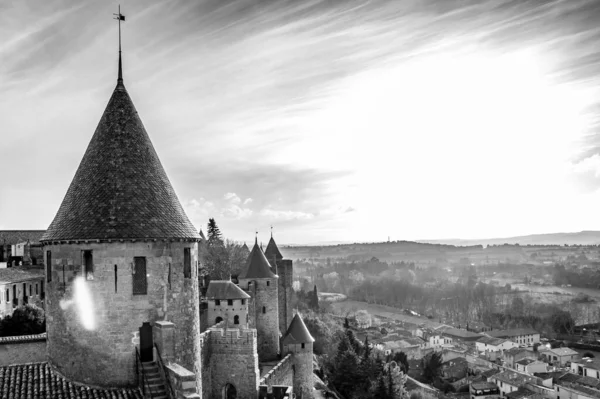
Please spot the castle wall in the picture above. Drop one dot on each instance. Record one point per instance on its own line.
(22, 349)
(93, 325)
(267, 323)
(285, 269)
(227, 313)
(281, 374)
(205, 359)
(233, 360)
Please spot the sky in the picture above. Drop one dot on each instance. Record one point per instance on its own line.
(332, 121)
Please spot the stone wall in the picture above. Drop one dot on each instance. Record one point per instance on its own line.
(23, 349)
(31, 287)
(233, 360)
(285, 269)
(266, 324)
(302, 359)
(281, 374)
(227, 313)
(93, 324)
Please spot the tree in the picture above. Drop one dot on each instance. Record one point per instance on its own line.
(517, 306)
(346, 323)
(25, 320)
(431, 366)
(367, 352)
(345, 373)
(381, 391)
(216, 257)
(214, 233)
(402, 360)
(314, 299)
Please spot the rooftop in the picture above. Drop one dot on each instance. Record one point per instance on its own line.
(514, 351)
(272, 251)
(120, 190)
(17, 274)
(592, 363)
(525, 362)
(490, 373)
(520, 394)
(515, 332)
(224, 289)
(257, 265)
(12, 237)
(297, 332)
(564, 351)
(38, 380)
(513, 378)
(483, 385)
(578, 383)
(459, 333)
(491, 340)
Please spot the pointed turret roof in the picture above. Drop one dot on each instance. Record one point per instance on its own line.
(297, 332)
(245, 247)
(272, 250)
(120, 190)
(257, 265)
(202, 235)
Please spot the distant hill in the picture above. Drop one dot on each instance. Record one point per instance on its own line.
(589, 237)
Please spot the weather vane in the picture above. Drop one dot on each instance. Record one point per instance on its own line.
(120, 17)
(271, 231)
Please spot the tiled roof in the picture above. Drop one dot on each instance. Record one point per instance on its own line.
(514, 351)
(38, 381)
(23, 338)
(520, 393)
(297, 332)
(483, 385)
(490, 373)
(12, 237)
(580, 383)
(272, 250)
(459, 333)
(511, 333)
(564, 351)
(491, 340)
(525, 362)
(120, 190)
(224, 290)
(257, 265)
(513, 378)
(17, 274)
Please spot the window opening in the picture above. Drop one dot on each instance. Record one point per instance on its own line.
(218, 302)
(187, 263)
(140, 282)
(230, 302)
(264, 309)
(236, 319)
(88, 262)
(116, 277)
(48, 266)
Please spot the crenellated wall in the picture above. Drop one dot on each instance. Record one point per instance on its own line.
(233, 360)
(93, 325)
(281, 374)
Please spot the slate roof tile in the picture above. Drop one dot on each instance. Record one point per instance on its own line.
(272, 251)
(120, 190)
(38, 381)
(257, 265)
(297, 332)
(224, 290)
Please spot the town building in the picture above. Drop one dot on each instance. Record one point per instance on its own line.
(530, 366)
(560, 356)
(588, 367)
(489, 344)
(20, 286)
(510, 381)
(521, 336)
(484, 390)
(20, 247)
(573, 386)
(511, 356)
(457, 334)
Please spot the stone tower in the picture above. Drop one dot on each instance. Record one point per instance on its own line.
(298, 341)
(227, 302)
(120, 252)
(258, 280)
(285, 270)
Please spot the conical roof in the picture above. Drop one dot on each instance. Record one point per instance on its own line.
(257, 265)
(120, 190)
(297, 332)
(272, 250)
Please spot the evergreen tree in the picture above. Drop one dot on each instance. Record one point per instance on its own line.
(354, 343)
(214, 234)
(346, 322)
(390, 392)
(345, 373)
(381, 390)
(402, 360)
(431, 366)
(367, 352)
(315, 299)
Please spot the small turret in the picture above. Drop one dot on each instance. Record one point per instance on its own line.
(226, 301)
(258, 280)
(298, 341)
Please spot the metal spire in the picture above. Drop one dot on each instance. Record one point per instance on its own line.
(271, 231)
(256, 238)
(120, 17)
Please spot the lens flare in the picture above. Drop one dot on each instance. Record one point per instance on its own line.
(85, 306)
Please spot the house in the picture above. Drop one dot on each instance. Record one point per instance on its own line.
(411, 346)
(20, 286)
(489, 344)
(510, 381)
(510, 356)
(560, 356)
(484, 390)
(589, 367)
(20, 247)
(522, 336)
(523, 393)
(530, 366)
(573, 386)
(437, 340)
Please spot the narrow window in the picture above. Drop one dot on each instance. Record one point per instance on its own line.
(230, 302)
(264, 309)
(30, 290)
(303, 345)
(88, 262)
(217, 302)
(169, 277)
(42, 287)
(36, 289)
(7, 295)
(268, 283)
(48, 266)
(116, 278)
(243, 301)
(187, 263)
(236, 319)
(140, 282)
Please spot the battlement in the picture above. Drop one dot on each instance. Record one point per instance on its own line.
(281, 374)
(232, 340)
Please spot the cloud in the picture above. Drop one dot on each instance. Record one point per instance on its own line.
(247, 201)
(232, 197)
(286, 215)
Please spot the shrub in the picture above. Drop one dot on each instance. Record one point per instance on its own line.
(25, 320)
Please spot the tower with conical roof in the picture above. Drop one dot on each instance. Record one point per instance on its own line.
(298, 342)
(120, 254)
(258, 280)
(285, 270)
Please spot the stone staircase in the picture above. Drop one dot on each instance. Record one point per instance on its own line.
(158, 389)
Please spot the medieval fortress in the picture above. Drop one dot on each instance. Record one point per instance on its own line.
(124, 305)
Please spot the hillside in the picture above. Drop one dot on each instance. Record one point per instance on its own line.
(588, 237)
